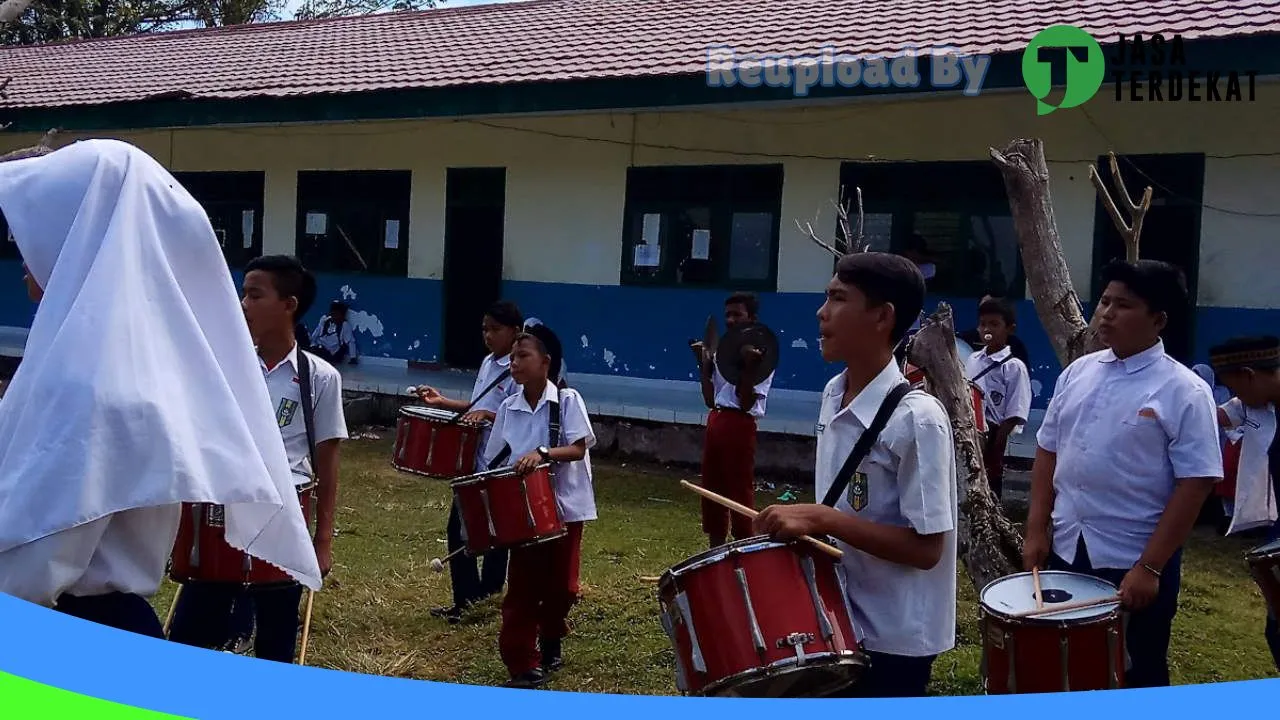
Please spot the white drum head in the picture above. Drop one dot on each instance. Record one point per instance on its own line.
(428, 413)
(1016, 594)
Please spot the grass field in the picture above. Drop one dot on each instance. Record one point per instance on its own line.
(372, 616)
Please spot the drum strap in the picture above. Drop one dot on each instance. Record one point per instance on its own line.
(983, 374)
(496, 381)
(553, 432)
(308, 410)
(863, 447)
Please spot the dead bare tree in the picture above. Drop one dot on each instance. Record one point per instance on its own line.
(989, 544)
(1026, 179)
(44, 147)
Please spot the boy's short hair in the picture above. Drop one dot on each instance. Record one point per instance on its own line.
(289, 278)
(1162, 286)
(338, 306)
(506, 313)
(1001, 307)
(548, 344)
(1254, 353)
(886, 278)
(747, 300)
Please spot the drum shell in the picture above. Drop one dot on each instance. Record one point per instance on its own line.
(523, 510)
(429, 444)
(1041, 655)
(217, 561)
(719, 656)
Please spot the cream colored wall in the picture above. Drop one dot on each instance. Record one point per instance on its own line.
(565, 195)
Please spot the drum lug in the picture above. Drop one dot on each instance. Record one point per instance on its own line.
(1064, 655)
(668, 625)
(1113, 637)
(431, 447)
(400, 432)
(197, 521)
(756, 635)
(462, 451)
(848, 606)
(1012, 644)
(682, 602)
(811, 577)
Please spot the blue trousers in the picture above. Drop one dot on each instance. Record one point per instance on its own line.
(123, 611)
(1147, 637)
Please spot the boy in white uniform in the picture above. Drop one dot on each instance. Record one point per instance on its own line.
(277, 292)
(499, 327)
(1128, 452)
(1250, 368)
(1004, 382)
(543, 424)
(895, 519)
(138, 392)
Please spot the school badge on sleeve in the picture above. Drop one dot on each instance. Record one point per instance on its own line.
(284, 413)
(858, 491)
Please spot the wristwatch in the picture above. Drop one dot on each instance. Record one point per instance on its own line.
(545, 452)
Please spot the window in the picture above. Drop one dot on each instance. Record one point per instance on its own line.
(703, 226)
(961, 211)
(233, 201)
(354, 221)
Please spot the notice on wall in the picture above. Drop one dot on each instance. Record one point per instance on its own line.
(647, 256)
(317, 223)
(652, 229)
(391, 241)
(701, 245)
(246, 228)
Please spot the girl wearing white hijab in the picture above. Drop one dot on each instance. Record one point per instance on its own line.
(139, 390)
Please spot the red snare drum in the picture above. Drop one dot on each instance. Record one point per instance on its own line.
(758, 618)
(1072, 650)
(429, 442)
(201, 552)
(501, 509)
(1264, 566)
(915, 376)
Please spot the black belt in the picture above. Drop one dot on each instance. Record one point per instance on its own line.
(740, 411)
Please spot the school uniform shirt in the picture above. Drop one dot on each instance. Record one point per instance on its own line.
(523, 429)
(1006, 390)
(1124, 431)
(490, 369)
(907, 480)
(726, 395)
(1255, 503)
(286, 395)
(331, 337)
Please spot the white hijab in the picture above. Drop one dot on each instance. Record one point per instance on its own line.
(139, 386)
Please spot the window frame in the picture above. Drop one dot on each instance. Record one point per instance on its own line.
(194, 181)
(350, 186)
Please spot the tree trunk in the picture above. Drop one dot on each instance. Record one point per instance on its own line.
(989, 545)
(1026, 181)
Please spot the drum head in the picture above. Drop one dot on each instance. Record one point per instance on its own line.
(716, 554)
(1016, 593)
(428, 413)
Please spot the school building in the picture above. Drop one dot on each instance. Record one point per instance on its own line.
(617, 169)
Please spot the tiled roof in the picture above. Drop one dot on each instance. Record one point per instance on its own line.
(553, 40)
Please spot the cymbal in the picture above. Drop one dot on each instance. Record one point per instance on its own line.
(729, 358)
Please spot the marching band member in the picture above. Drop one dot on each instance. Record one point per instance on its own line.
(896, 521)
(1128, 452)
(543, 583)
(138, 392)
(499, 327)
(729, 448)
(1005, 384)
(1250, 368)
(278, 291)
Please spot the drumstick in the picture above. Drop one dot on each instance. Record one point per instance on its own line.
(306, 628)
(834, 552)
(1035, 575)
(1064, 607)
(173, 607)
(437, 564)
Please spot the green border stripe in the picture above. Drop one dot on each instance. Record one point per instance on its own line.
(22, 699)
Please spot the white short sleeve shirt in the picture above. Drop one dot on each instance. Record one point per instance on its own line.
(285, 389)
(1255, 501)
(907, 480)
(726, 395)
(1124, 431)
(490, 370)
(1006, 388)
(523, 429)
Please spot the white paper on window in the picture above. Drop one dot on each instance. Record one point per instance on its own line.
(701, 245)
(317, 223)
(392, 239)
(246, 228)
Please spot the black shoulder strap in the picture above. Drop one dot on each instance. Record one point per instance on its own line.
(308, 409)
(553, 434)
(863, 446)
(991, 367)
(496, 381)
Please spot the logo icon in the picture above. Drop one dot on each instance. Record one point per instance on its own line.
(1085, 66)
(858, 492)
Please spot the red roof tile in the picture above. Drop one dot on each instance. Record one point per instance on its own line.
(550, 40)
